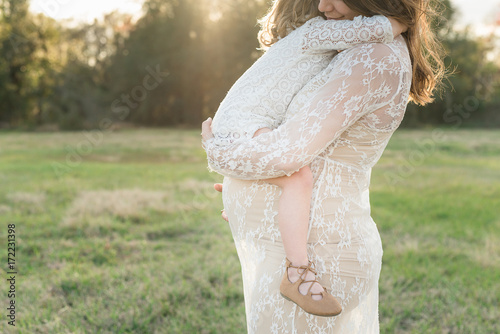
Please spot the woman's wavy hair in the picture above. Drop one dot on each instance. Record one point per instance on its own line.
(426, 52)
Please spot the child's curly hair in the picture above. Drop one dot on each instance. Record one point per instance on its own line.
(285, 16)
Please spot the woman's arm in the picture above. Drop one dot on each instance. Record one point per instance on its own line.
(342, 34)
(367, 79)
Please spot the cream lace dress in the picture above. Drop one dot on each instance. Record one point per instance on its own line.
(339, 124)
(262, 94)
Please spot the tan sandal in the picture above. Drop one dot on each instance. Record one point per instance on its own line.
(327, 306)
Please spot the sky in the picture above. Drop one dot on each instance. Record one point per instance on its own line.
(474, 12)
(477, 12)
(84, 10)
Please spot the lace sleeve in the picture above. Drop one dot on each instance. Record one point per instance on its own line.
(340, 35)
(366, 80)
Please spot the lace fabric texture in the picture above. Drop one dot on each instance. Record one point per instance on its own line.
(261, 96)
(339, 124)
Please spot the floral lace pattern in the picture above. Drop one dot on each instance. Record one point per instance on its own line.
(261, 96)
(339, 124)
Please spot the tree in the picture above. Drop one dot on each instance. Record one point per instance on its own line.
(204, 46)
(468, 90)
(18, 44)
(82, 89)
(175, 64)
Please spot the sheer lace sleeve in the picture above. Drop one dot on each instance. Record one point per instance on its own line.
(366, 79)
(340, 35)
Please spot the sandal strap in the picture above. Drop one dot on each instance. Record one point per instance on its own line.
(305, 268)
(304, 272)
(310, 287)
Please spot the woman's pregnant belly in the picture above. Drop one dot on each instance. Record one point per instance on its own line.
(343, 241)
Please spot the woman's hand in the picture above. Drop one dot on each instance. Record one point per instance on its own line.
(206, 133)
(218, 187)
(397, 27)
(206, 130)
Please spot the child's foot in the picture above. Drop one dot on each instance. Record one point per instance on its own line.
(294, 274)
(300, 286)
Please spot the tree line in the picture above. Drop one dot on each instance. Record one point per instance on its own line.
(174, 65)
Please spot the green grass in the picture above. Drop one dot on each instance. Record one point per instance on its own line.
(125, 236)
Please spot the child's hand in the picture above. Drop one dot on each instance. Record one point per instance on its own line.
(261, 131)
(397, 27)
(206, 129)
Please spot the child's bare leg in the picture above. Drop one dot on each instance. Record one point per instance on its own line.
(293, 220)
(293, 213)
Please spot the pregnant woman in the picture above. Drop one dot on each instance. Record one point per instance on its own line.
(338, 125)
(249, 109)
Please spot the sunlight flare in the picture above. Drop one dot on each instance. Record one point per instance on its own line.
(85, 11)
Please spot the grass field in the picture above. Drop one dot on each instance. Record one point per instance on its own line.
(120, 233)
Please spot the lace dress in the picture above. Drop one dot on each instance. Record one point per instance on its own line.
(339, 124)
(262, 94)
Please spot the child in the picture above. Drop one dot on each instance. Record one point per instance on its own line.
(257, 103)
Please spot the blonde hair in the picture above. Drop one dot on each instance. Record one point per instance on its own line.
(426, 52)
(283, 17)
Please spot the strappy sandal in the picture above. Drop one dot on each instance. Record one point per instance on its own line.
(327, 306)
